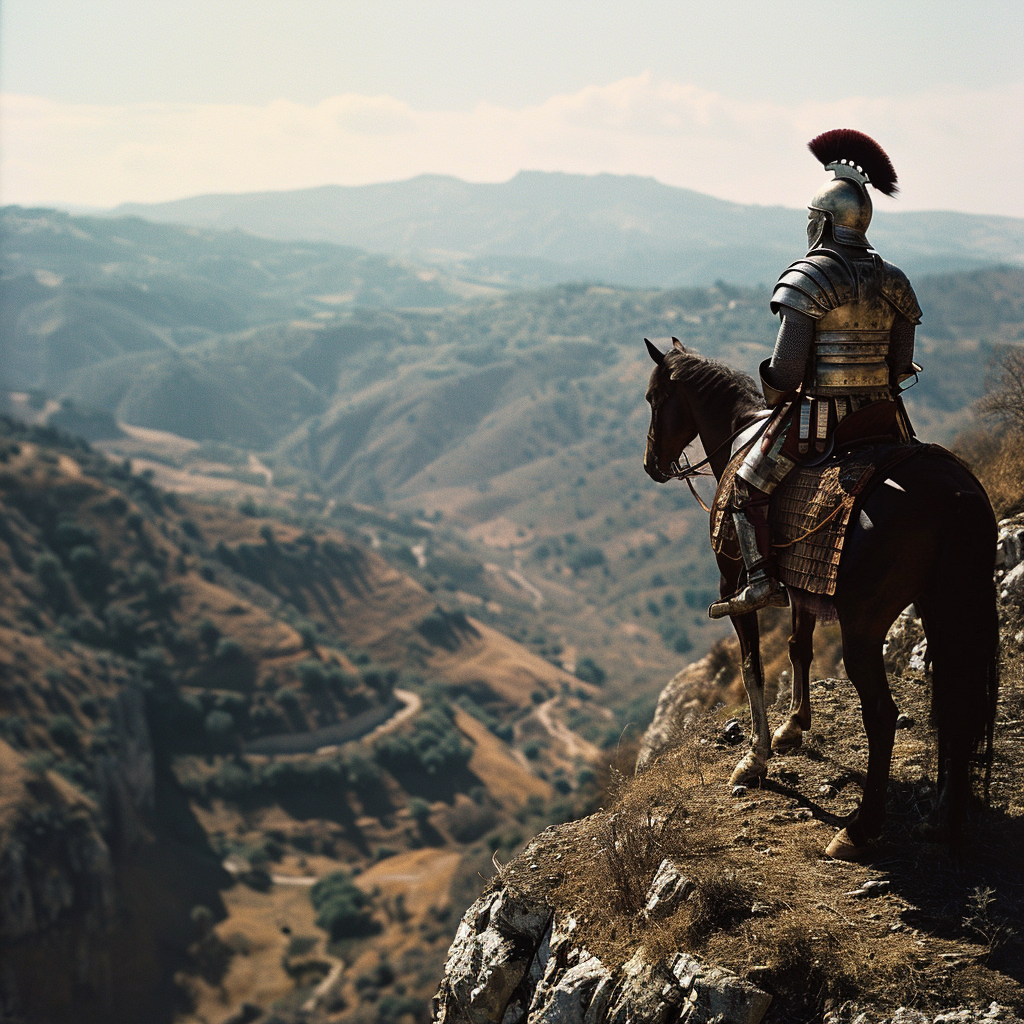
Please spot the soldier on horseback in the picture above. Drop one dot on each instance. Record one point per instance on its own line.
(845, 344)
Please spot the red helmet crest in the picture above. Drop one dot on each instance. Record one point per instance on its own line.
(858, 151)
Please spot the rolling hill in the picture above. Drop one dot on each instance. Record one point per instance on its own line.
(512, 426)
(513, 423)
(420, 512)
(198, 280)
(547, 228)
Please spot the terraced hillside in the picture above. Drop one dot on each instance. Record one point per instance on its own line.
(204, 712)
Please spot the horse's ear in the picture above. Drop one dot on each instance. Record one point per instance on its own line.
(678, 345)
(656, 354)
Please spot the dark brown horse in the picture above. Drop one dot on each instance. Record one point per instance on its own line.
(928, 538)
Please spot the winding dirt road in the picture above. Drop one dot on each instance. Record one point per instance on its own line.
(575, 745)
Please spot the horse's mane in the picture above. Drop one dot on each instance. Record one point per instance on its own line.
(713, 381)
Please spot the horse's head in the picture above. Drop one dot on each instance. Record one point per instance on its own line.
(672, 423)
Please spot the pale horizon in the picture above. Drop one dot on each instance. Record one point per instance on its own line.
(117, 103)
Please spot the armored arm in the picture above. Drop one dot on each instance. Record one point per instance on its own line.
(900, 293)
(785, 370)
(803, 294)
(901, 349)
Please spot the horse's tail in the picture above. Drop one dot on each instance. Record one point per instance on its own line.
(963, 624)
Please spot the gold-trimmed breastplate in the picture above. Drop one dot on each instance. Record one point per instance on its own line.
(851, 349)
(854, 303)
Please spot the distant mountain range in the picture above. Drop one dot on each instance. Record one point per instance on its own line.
(546, 228)
(223, 336)
(518, 419)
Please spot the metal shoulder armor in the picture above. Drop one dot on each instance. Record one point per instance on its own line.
(898, 290)
(815, 285)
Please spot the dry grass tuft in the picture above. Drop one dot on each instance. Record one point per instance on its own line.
(718, 904)
(634, 847)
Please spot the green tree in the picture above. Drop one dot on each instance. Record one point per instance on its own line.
(342, 907)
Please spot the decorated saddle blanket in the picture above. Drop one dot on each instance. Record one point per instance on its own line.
(810, 511)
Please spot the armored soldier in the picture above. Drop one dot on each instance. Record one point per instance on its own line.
(845, 343)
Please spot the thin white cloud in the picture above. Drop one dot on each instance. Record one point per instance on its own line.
(954, 149)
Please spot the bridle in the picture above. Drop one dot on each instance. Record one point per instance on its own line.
(688, 470)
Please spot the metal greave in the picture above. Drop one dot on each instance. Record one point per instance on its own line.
(746, 536)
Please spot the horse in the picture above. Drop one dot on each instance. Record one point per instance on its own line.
(928, 539)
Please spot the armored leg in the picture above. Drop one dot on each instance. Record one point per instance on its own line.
(761, 471)
(762, 589)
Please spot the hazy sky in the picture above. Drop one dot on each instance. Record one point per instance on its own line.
(112, 100)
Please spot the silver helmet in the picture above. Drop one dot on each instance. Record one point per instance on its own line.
(857, 161)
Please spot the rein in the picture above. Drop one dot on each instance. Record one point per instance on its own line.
(688, 471)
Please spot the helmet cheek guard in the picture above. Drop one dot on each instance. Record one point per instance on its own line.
(816, 222)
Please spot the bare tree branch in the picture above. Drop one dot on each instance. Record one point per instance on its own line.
(1004, 392)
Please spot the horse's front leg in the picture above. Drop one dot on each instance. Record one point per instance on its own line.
(862, 656)
(790, 734)
(754, 765)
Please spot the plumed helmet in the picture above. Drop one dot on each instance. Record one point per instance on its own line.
(857, 161)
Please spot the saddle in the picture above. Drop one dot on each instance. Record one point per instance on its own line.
(811, 509)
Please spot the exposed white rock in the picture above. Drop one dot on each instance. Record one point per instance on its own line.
(490, 956)
(669, 889)
(647, 992)
(511, 962)
(578, 994)
(1010, 546)
(686, 694)
(905, 643)
(1012, 583)
(714, 994)
(918, 657)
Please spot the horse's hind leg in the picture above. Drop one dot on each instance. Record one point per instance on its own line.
(862, 655)
(790, 734)
(963, 638)
(753, 767)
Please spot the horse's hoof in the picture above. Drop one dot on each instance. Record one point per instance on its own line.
(750, 771)
(843, 847)
(787, 737)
